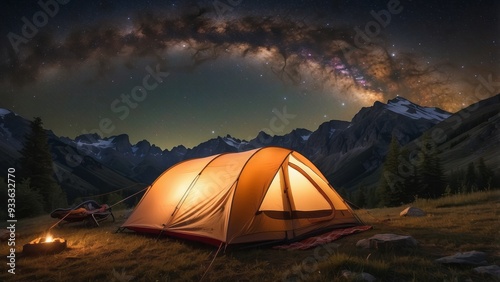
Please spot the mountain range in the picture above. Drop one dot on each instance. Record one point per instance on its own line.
(349, 154)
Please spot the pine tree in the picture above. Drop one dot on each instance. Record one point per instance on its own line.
(360, 197)
(430, 172)
(372, 199)
(447, 191)
(409, 172)
(391, 184)
(470, 178)
(342, 192)
(456, 181)
(439, 181)
(31, 203)
(37, 166)
(485, 175)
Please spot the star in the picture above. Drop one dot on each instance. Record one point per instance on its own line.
(225, 58)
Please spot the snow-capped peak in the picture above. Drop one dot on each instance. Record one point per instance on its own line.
(4, 112)
(404, 107)
(233, 141)
(101, 143)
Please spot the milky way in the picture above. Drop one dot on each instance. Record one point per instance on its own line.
(354, 63)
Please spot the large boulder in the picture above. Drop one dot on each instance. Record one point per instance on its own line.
(387, 241)
(412, 211)
(470, 258)
(490, 269)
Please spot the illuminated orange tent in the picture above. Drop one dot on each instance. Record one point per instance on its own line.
(264, 194)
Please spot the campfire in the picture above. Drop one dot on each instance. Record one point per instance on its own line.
(45, 245)
(48, 239)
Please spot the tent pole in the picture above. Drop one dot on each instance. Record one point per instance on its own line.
(161, 232)
(286, 191)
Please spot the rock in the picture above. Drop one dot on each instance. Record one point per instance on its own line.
(363, 276)
(490, 269)
(387, 241)
(412, 211)
(471, 258)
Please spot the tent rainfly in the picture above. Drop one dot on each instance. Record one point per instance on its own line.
(266, 194)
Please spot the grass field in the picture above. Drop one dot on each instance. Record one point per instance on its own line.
(453, 224)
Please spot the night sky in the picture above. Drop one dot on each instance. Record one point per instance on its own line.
(182, 72)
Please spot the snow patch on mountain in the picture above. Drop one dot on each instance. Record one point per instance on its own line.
(100, 143)
(332, 131)
(233, 142)
(4, 112)
(5, 132)
(408, 109)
